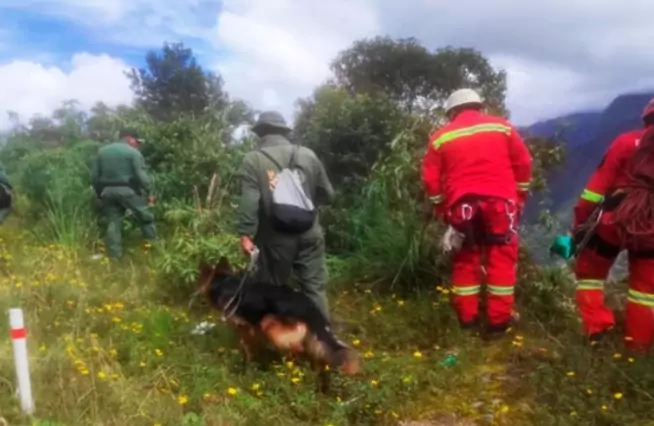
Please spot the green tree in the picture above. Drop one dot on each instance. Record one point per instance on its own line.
(347, 132)
(417, 79)
(172, 83)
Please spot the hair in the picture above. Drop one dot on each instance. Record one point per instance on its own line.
(635, 214)
(648, 120)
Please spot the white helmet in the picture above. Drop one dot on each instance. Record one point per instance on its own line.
(462, 97)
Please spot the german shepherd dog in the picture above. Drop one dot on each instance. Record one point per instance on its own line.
(287, 320)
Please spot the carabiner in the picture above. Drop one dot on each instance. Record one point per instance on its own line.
(466, 211)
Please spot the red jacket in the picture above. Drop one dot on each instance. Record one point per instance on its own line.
(476, 154)
(609, 175)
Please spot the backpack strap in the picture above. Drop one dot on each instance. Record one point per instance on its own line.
(267, 155)
(291, 162)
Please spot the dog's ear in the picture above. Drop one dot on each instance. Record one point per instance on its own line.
(223, 266)
(207, 273)
(205, 269)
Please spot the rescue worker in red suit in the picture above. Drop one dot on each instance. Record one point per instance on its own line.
(477, 172)
(622, 189)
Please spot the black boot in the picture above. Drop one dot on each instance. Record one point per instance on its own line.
(471, 327)
(600, 339)
(497, 331)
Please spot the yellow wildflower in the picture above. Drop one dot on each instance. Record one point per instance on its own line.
(617, 395)
(158, 352)
(368, 354)
(400, 302)
(374, 383)
(417, 354)
(617, 356)
(256, 386)
(232, 391)
(589, 391)
(101, 375)
(295, 380)
(356, 342)
(182, 399)
(505, 409)
(570, 373)
(631, 360)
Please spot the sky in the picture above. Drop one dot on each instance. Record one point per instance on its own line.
(561, 55)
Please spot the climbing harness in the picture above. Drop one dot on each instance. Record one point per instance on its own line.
(511, 211)
(232, 305)
(591, 224)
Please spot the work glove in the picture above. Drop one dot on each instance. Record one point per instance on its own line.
(563, 246)
(452, 240)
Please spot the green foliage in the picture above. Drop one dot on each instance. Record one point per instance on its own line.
(173, 83)
(348, 133)
(201, 231)
(57, 183)
(414, 77)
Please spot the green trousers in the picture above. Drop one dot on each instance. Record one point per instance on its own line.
(116, 202)
(304, 257)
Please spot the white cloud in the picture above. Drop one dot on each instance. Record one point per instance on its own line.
(29, 88)
(134, 23)
(560, 55)
(281, 49)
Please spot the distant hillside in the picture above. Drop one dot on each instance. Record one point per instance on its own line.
(587, 135)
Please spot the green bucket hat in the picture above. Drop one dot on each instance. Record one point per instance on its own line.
(270, 119)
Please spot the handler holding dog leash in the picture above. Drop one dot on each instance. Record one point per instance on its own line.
(281, 186)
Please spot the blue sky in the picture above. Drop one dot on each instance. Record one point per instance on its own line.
(560, 55)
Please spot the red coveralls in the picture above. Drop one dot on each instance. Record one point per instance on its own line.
(595, 259)
(476, 169)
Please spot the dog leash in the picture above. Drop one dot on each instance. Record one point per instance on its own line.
(230, 310)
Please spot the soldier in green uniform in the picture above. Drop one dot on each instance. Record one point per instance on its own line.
(5, 196)
(121, 183)
(281, 254)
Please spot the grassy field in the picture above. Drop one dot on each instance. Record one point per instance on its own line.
(105, 349)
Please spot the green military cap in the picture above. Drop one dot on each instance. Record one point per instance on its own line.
(268, 119)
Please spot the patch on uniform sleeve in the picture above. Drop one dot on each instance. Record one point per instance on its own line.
(273, 178)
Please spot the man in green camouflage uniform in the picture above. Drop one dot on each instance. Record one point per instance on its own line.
(121, 183)
(281, 254)
(5, 195)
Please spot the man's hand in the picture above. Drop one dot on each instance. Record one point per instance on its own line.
(151, 200)
(247, 245)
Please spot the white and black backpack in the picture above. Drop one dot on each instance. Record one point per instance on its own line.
(292, 211)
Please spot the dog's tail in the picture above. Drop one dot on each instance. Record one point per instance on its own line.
(324, 345)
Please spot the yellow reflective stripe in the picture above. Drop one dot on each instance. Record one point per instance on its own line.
(469, 131)
(590, 285)
(591, 196)
(502, 290)
(641, 298)
(436, 199)
(524, 186)
(470, 290)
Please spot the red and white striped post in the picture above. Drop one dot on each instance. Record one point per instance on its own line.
(19, 339)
